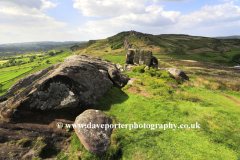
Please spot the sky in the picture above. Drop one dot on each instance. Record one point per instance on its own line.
(82, 20)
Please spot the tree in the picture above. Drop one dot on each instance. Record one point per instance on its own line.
(236, 58)
(51, 53)
(47, 61)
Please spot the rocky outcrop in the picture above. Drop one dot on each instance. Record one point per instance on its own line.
(96, 136)
(78, 82)
(127, 44)
(140, 36)
(140, 57)
(128, 67)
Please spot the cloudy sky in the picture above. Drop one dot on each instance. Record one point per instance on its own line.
(80, 20)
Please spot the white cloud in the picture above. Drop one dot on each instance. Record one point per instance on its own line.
(27, 3)
(26, 19)
(152, 16)
(27, 15)
(153, 19)
(109, 8)
(171, 0)
(47, 5)
(212, 16)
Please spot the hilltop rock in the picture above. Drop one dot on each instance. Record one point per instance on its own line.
(127, 44)
(78, 82)
(140, 36)
(140, 57)
(95, 138)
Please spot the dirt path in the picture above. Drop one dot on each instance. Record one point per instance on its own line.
(230, 97)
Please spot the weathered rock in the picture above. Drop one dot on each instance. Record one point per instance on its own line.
(128, 67)
(118, 78)
(95, 137)
(164, 69)
(178, 72)
(141, 57)
(154, 62)
(140, 36)
(104, 72)
(7, 113)
(119, 67)
(127, 44)
(145, 57)
(78, 82)
(130, 56)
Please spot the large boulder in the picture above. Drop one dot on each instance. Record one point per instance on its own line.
(141, 57)
(154, 62)
(95, 135)
(128, 67)
(78, 82)
(178, 72)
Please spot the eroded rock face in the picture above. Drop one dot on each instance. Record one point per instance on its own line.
(94, 137)
(78, 82)
(141, 57)
(127, 44)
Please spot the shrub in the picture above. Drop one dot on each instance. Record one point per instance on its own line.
(138, 69)
(153, 83)
(158, 73)
(236, 58)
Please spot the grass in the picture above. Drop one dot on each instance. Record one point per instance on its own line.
(152, 100)
(213, 57)
(217, 138)
(116, 57)
(6, 76)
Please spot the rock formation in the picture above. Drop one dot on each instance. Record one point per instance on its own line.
(140, 36)
(95, 137)
(140, 57)
(127, 44)
(78, 82)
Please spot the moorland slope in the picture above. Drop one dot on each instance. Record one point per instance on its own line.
(210, 98)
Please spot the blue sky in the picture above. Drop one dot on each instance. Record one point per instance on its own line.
(81, 20)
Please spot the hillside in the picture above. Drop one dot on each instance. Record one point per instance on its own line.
(15, 49)
(229, 37)
(211, 98)
(165, 46)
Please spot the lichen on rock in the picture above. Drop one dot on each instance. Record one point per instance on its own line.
(51, 97)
